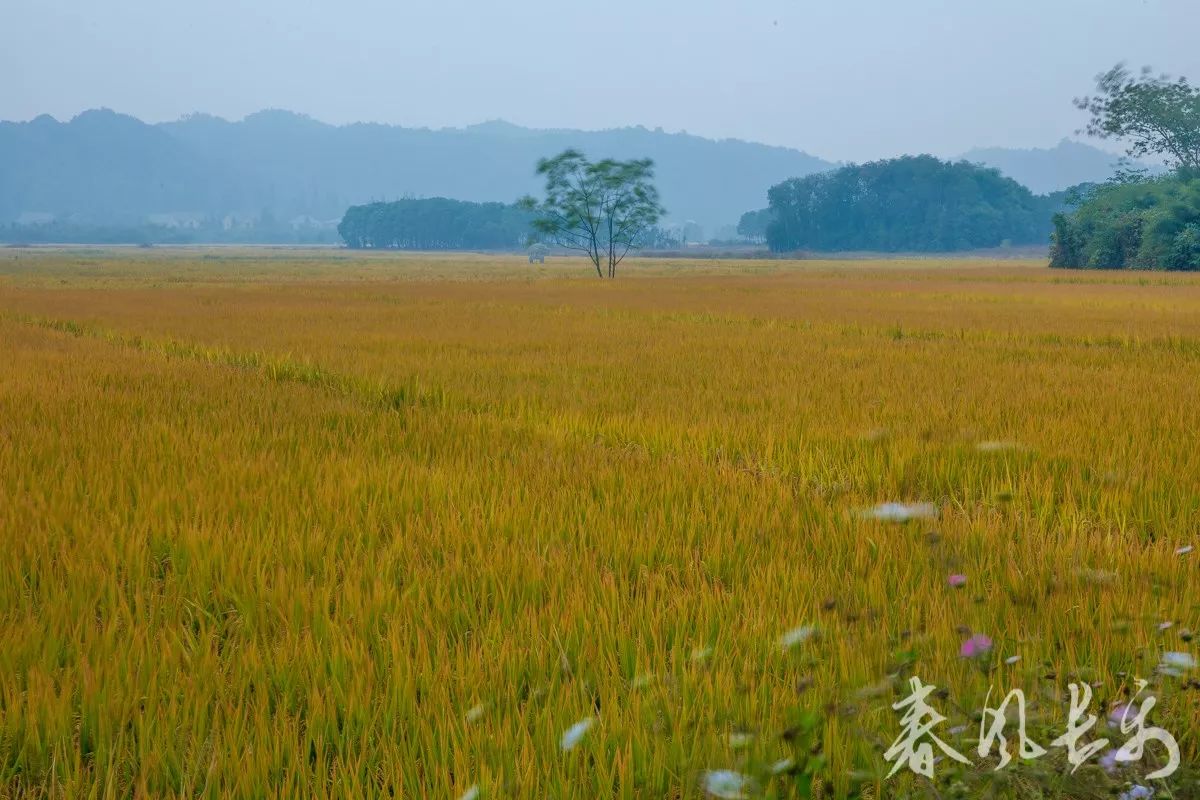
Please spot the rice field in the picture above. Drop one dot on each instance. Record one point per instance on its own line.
(318, 524)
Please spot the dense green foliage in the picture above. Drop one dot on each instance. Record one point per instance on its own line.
(1139, 224)
(436, 224)
(914, 203)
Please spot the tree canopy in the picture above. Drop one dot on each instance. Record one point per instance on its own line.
(603, 209)
(914, 203)
(436, 224)
(1154, 114)
(753, 225)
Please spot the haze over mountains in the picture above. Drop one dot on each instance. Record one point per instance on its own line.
(107, 168)
(1046, 170)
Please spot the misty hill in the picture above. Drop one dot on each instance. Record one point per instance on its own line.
(105, 168)
(1046, 170)
(101, 166)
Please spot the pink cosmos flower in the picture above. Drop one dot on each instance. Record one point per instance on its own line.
(957, 581)
(976, 646)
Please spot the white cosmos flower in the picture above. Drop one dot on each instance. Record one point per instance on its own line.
(900, 512)
(1175, 664)
(797, 636)
(574, 734)
(782, 765)
(470, 794)
(725, 784)
(740, 739)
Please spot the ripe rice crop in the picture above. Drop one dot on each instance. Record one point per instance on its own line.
(316, 524)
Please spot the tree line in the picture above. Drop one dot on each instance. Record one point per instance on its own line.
(603, 209)
(607, 208)
(436, 223)
(908, 204)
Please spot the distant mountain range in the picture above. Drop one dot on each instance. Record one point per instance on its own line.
(107, 168)
(1048, 170)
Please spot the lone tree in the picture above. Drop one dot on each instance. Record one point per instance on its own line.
(1154, 114)
(601, 208)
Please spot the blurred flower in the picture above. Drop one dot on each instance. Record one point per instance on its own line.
(1183, 551)
(957, 581)
(740, 739)
(901, 512)
(1109, 761)
(574, 734)
(1162, 626)
(782, 765)
(725, 784)
(1138, 792)
(475, 713)
(701, 653)
(996, 446)
(875, 690)
(977, 645)
(1012, 660)
(1097, 576)
(1175, 663)
(1121, 713)
(470, 794)
(797, 636)
(642, 681)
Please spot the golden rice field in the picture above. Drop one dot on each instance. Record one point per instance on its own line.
(314, 524)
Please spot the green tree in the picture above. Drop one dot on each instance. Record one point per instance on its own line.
(753, 225)
(601, 208)
(908, 204)
(1155, 115)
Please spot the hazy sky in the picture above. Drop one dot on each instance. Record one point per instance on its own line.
(848, 80)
